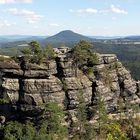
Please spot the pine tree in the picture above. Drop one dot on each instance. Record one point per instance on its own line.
(85, 130)
(51, 127)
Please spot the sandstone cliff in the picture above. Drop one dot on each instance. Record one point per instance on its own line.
(28, 86)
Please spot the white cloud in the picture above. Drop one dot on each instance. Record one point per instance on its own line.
(118, 10)
(15, 1)
(85, 11)
(54, 24)
(30, 16)
(6, 1)
(27, 1)
(6, 23)
(113, 9)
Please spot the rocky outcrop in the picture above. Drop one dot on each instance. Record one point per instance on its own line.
(30, 85)
(43, 90)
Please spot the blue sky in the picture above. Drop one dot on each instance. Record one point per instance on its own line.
(88, 17)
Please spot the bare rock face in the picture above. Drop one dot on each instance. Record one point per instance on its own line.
(76, 87)
(36, 71)
(9, 65)
(114, 81)
(75, 83)
(109, 58)
(10, 68)
(11, 88)
(44, 90)
(30, 85)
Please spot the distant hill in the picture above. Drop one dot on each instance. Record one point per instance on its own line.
(3, 40)
(16, 38)
(133, 37)
(65, 37)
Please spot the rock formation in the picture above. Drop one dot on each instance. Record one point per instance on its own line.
(28, 86)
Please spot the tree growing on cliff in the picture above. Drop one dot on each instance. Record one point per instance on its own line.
(33, 53)
(51, 126)
(103, 119)
(26, 51)
(18, 131)
(49, 52)
(84, 129)
(36, 52)
(80, 52)
(83, 55)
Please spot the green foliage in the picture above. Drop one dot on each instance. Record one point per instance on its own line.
(84, 129)
(49, 52)
(106, 77)
(35, 54)
(134, 67)
(114, 132)
(18, 131)
(51, 127)
(83, 55)
(3, 101)
(90, 70)
(35, 47)
(103, 118)
(26, 51)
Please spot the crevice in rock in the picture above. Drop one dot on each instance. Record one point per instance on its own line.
(21, 91)
(24, 99)
(11, 75)
(138, 90)
(60, 75)
(22, 65)
(122, 89)
(60, 72)
(66, 101)
(93, 98)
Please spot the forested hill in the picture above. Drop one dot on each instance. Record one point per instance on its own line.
(66, 37)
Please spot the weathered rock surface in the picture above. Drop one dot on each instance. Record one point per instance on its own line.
(11, 88)
(44, 90)
(31, 85)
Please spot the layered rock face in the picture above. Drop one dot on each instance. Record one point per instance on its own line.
(62, 82)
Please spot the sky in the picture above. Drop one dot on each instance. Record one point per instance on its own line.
(87, 17)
